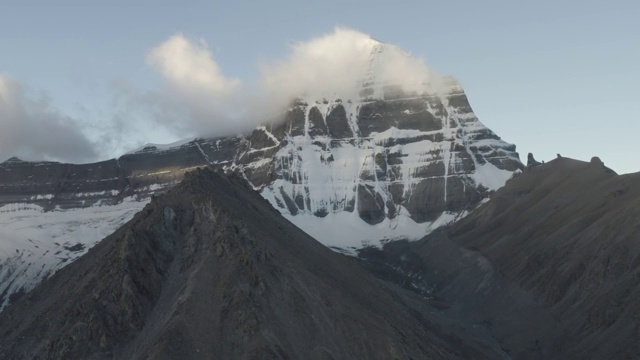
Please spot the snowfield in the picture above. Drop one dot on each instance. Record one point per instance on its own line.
(34, 244)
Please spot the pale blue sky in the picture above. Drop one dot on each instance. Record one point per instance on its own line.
(550, 76)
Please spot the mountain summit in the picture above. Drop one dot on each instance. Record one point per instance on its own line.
(390, 163)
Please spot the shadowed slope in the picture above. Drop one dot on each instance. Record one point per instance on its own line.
(211, 270)
(569, 232)
(550, 266)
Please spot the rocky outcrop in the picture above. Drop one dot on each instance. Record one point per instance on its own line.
(531, 161)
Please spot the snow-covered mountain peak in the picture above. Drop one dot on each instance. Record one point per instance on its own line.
(377, 147)
(392, 164)
(391, 72)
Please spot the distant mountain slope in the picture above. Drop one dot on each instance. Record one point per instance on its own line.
(211, 270)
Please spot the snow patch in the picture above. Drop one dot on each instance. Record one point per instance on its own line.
(150, 147)
(346, 232)
(35, 244)
(490, 176)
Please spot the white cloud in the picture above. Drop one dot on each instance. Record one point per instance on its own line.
(32, 129)
(202, 101)
(328, 64)
(199, 100)
(191, 69)
(338, 63)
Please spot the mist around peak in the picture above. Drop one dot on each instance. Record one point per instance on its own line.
(198, 99)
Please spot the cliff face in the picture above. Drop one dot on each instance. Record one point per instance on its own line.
(414, 160)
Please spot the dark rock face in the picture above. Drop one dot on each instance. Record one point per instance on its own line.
(338, 124)
(550, 265)
(317, 126)
(260, 139)
(531, 161)
(379, 116)
(371, 206)
(210, 270)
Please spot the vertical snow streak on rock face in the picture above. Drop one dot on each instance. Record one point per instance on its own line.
(416, 157)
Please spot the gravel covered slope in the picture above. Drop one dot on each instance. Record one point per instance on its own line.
(550, 266)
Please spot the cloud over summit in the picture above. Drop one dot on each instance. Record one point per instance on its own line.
(199, 99)
(339, 63)
(331, 63)
(189, 67)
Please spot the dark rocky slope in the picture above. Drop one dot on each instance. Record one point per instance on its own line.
(550, 265)
(211, 270)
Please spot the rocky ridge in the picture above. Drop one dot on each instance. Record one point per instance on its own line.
(550, 266)
(211, 270)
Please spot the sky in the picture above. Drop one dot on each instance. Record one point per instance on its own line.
(83, 81)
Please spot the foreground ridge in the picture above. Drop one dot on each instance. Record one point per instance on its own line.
(210, 269)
